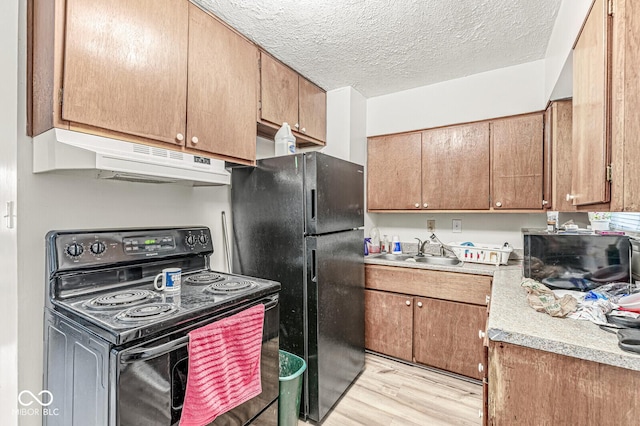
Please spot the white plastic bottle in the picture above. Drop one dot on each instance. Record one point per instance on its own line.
(395, 245)
(285, 141)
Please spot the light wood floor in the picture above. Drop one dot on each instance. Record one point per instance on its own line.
(390, 393)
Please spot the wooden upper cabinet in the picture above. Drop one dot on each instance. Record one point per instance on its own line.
(134, 80)
(287, 97)
(558, 130)
(394, 172)
(446, 335)
(455, 167)
(279, 92)
(223, 80)
(591, 115)
(388, 323)
(312, 110)
(517, 162)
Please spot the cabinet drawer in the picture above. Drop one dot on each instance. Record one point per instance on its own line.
(457, 287)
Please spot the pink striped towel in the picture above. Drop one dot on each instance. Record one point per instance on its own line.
(224, 366)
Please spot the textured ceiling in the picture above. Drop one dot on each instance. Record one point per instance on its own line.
(385, 46)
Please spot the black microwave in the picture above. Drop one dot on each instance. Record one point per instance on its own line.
(575, 261)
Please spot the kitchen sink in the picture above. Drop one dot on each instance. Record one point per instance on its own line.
(389, 256)
(436, 260)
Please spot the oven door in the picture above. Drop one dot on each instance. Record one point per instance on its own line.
(151, 378)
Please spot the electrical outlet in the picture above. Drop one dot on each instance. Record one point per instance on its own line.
(457, 225)
(431, 225)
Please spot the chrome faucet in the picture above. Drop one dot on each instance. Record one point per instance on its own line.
(443, 246)
(421, 246)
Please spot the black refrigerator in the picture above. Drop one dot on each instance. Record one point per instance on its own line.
(298, 220)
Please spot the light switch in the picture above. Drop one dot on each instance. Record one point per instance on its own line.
(457, 225)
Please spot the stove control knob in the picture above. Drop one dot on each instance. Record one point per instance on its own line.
(203, 239)
(98, 248)
(191, 240)
(75, 249)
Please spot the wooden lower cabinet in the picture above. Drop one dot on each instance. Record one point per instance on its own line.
(533, 387)
(428, 317)
(388, 323)
(446, 336)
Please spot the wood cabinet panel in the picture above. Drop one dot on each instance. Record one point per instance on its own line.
(223, 76)
(446, 335)
(455, 167)
(517, 169)
(465, 288)
(312, 110)
(394, 172)
(279, 92)
(630, 110)
(560, 133)
(135, 80)
(591, 87)
(533, 387)
(388, 323)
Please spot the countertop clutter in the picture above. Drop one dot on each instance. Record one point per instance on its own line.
(511, 320)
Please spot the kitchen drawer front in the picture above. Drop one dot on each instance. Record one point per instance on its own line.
(457, 287)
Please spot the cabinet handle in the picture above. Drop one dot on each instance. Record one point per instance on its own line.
(194, 140)
(303, 130)
(180, 137)
(481, 334)
(417, 205)
(419, 304)
(570, 197)
(480, 414)
(487, 299)
(408, 302)
(480, 367)
(498, 204)
(425, 205)
(545, 202)
(297, 126)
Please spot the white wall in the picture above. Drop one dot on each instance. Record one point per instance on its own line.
(571, 15)
(9, 28)
(487, 228)
(505, 91)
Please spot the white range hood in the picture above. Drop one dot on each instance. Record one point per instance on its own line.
(105, 158)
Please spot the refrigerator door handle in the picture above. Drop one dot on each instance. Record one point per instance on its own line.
(314, 267)
(314, 204)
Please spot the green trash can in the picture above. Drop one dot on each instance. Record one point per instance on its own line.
(291, 369)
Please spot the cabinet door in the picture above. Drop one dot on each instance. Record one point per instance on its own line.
(223, 78)
(445, 335)
(394, 172)
(591, 148)
(559, 131)
(279, 92)
(312, 110)
(455, 167)
(125, 66)
(517, 169)
(388, 323)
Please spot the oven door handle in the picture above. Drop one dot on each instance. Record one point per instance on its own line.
(144, 353)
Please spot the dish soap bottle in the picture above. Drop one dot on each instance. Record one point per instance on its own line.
(285, 141)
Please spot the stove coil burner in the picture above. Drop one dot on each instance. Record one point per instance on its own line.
(228, 287)
(204, 278)
(119, 300)
(150, 311)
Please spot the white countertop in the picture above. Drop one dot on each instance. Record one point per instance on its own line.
(512, 320)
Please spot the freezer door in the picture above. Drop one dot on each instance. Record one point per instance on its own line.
(335, 318)
(334, 194)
